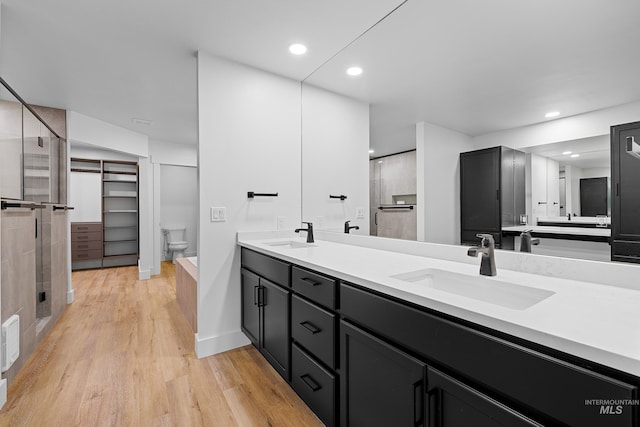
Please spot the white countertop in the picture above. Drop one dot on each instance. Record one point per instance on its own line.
(596, 322)
(576, 231)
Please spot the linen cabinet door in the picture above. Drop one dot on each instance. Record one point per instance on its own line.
(453, 404)
(276, 331)
(250, 308)
(379, 384)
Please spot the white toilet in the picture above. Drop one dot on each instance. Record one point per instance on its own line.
(175, 240)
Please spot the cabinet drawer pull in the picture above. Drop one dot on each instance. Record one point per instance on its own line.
(310, 281)
(83, 246)
(310, 327)
(83, 237)
(310, 382)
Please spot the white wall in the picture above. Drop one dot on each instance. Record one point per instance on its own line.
(168, 153)
(179, 202)
(438, 159)
(84, 129)
(249, 140)
(335, 160)
(595, 123)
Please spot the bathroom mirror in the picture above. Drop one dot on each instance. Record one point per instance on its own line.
(433, 45)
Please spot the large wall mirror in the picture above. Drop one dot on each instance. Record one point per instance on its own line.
(450, 75)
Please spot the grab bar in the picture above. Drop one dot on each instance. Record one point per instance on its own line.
(5, 204)
(384, 208)
(62, 208)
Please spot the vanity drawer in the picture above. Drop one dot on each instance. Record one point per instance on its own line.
(86, 246)
(314, 328)
(267, 267)
(315, 385)
(524, 378)
(315, 286)
(86, 255)
(86, 227)
(88, 236)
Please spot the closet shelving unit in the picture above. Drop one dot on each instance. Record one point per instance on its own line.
(120, 213)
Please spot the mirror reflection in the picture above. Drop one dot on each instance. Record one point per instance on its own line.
(485, 94)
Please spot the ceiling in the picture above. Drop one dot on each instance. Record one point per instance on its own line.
(475, 67)
(483, 66)
(123, 59)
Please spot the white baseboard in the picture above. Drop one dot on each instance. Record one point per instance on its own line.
(144, 274)
(70, 296)
(220, 343)
(3, 392)
(190, 254)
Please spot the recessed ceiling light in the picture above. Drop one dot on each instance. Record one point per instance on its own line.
(298, 49)
(565, 153)
(142, 122)
(575, 155)
(552, 114)
(371, 151)
(379, 161)
(354, 71)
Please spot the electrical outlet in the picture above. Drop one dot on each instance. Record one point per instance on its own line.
(359, 213)
(218, 214)
(320, 221)
(281, 220)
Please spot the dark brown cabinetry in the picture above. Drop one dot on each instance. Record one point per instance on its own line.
(266, 308)
(492, 193)
(625, 189)
(86, 241)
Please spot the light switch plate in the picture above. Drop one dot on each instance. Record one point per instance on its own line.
(359, 213)
(218, 214)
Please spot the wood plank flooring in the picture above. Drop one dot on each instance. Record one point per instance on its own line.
(122, 355)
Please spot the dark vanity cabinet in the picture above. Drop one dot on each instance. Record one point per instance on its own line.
(265, 296)
(380, 384)
(492, 193)
(625, 189)
(314, 346)
(358, 357)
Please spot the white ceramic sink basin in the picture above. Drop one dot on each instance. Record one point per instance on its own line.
(481, 288)
(291, 244)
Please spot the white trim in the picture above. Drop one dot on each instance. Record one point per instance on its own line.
(3, 392)
(213, 345)
(143, 274)
(70, 296)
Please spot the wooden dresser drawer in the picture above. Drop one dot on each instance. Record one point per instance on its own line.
(89, 255)
(317, 287)
(314, 328)
(86, 236)
(86, 246)
(315, 385)
(86, 227)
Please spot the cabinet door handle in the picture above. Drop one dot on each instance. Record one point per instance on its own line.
(261, 302)
(498, 194)
(310, 327)
(310, 382)
(617, 189)
(418, 403)
(310, 282)
(434, 415)
(255, 295)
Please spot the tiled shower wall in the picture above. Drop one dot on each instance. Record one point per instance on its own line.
(19, 279)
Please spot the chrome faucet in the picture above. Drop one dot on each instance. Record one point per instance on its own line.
(309, 231)
(526, 241)
(348, 227)
(488, 263)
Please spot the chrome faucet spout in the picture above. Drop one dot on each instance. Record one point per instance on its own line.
(488, 262)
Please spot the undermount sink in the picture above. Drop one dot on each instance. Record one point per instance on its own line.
(291, 244)
(490, 290)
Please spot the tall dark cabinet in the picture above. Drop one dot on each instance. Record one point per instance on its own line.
(625, 189)
(492, 193)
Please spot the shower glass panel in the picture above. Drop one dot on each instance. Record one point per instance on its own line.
(36, 155)
(10, 146)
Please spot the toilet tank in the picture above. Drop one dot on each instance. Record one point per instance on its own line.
(175, 233)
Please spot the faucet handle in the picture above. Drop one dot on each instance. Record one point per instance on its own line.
(486, 237)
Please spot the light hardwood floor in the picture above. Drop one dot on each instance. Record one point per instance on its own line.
(122, 355)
